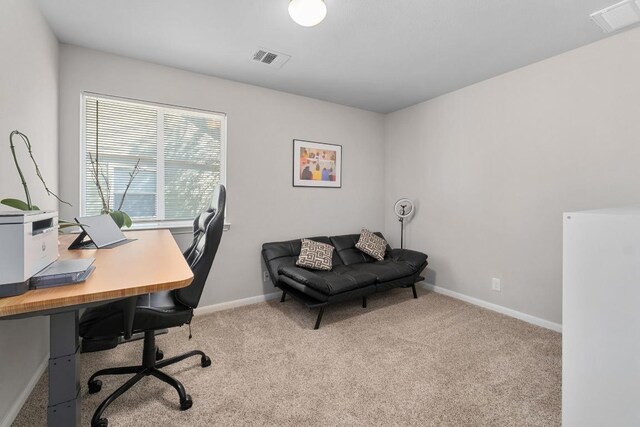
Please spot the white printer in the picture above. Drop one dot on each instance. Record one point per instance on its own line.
(28, 243)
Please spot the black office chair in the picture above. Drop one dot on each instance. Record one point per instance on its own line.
(156, 311)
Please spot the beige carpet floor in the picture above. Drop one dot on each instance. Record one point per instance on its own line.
(434, 361)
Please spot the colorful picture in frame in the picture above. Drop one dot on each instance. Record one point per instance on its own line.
(316, 164)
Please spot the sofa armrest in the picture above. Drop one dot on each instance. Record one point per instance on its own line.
(305, 277)
(413, 259)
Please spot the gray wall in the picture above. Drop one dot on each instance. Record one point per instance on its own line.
(29, 103)
(493, 166)
(262, 204)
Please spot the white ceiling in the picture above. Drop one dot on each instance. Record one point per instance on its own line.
(379, 55)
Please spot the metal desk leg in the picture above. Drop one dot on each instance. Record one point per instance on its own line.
(64, 371)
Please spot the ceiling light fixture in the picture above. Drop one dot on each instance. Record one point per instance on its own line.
(307, 12)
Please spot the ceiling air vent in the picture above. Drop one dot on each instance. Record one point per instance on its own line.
(270, 57)
(618, 16)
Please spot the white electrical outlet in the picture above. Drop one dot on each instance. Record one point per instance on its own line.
(265, 276)
(495, 284)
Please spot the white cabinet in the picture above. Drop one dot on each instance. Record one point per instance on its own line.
(601, 318)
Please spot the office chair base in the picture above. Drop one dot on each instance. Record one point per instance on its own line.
(150, 366)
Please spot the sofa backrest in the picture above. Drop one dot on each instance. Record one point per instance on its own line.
(277, 254)
(346, 248)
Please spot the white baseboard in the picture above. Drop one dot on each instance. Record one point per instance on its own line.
(475, 301)
(495, 307)
(14, 410)
(236, 303)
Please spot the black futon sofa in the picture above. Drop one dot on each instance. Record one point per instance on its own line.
(354, 273)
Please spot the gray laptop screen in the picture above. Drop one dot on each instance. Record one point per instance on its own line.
(102, 230)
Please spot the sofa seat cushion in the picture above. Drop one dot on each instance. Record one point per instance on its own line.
(415, 260)
(386, 270)
(340, 279)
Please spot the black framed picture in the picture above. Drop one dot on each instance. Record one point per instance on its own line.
(316, 164)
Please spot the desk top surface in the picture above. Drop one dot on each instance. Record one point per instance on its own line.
(151, 263)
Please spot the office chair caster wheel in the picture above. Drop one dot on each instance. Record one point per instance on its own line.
(205, 361)
(102, 422)
(186, 403)
(159, 354)
(94, 387)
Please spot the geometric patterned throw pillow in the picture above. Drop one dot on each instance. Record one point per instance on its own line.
(371, 244)
(315, 255)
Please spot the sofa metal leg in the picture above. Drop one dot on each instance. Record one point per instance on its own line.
(284, 295)
(364, 302)
(415, 294)
(319, 319)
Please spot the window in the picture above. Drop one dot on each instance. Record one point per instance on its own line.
(180, 154)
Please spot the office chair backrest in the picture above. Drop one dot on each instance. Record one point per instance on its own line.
(207, 233)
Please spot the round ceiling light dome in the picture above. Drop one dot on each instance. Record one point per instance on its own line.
(307, 12)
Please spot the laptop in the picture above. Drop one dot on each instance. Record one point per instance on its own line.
(102, 231)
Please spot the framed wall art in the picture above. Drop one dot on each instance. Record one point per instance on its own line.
(316, 164)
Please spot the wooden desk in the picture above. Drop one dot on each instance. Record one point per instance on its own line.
(151, 263)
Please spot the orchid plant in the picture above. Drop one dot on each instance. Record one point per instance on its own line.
(101, 180)
(27, 205)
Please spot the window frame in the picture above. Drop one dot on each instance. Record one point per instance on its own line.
(153, 222)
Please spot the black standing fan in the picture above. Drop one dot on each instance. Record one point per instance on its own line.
(403, 209)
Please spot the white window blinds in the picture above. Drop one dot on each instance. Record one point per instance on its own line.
(180, 155)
